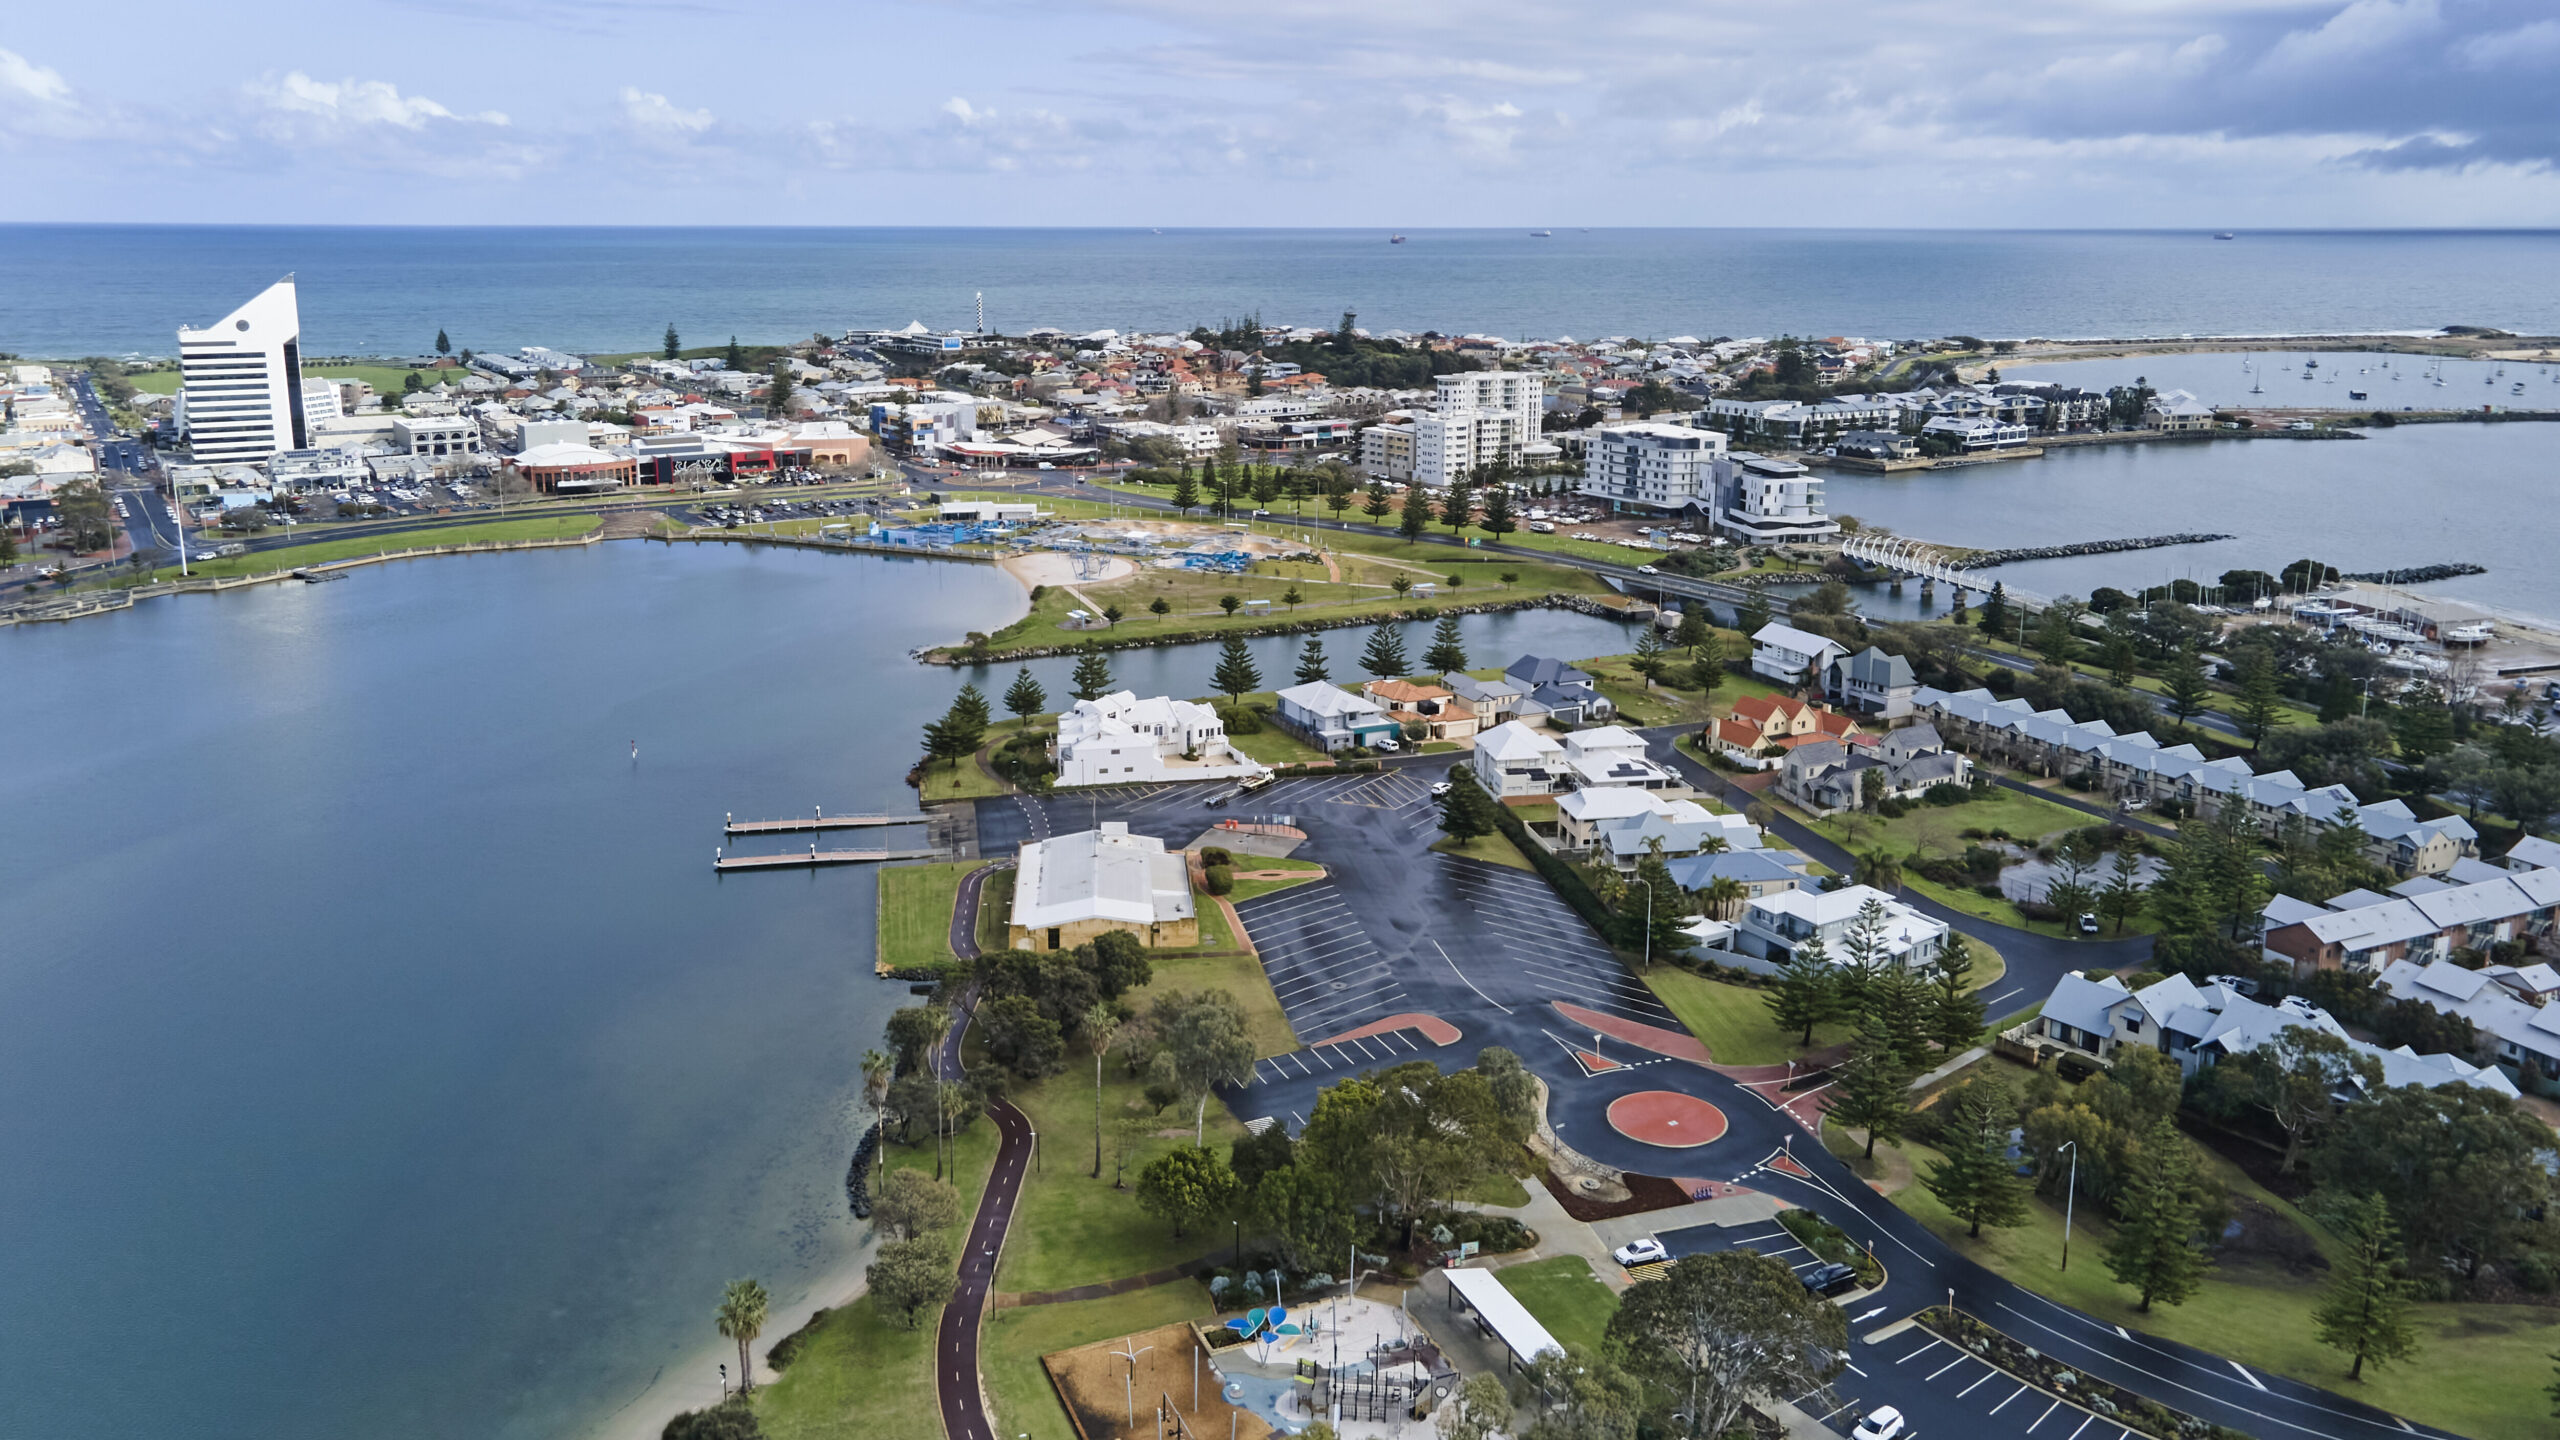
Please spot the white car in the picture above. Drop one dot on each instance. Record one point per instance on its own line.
(1640, 1252)
(1647, 570)
(1440, 787)
(1882, 1423)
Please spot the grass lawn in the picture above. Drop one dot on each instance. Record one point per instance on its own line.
(1733, 1019)
(1275, 746)
(1495, 848)
(1566, 1297)
(1015, 1339)
(1503, 1190)
(1305, 870)
(1072, 1229)
(1937, 829)
(915, 910)
(2480, 1372)
(964, 781)
(1265, 1024)
(321, 552)
(861, 1374)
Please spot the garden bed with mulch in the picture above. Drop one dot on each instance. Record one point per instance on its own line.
(1644, 1193)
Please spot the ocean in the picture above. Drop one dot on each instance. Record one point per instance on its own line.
(117, 289)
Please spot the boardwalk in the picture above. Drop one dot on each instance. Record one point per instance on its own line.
(818, 820)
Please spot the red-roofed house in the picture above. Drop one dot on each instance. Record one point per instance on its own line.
(1766, 723)
(1429, 705)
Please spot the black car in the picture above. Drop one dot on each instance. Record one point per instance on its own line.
(1829, 1279)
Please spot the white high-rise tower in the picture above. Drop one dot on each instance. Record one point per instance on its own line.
(243, 379)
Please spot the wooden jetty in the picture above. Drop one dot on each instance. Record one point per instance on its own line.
(813, 856)
(817, 819)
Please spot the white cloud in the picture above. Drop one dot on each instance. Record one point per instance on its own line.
(655, 114)
(2364, 28)
(341, 106)
(2524, 48)
(21, 78)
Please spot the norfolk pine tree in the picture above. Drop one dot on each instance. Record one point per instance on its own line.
(1236, 672)
(1384, 656)
(2366, 1312)
(1447, 653)
(1808, 991)
(1978, 1182)
(1092, 677)
(1311, 663)
(1875, 1094)
(1955, 1013)
(2155, 1249)
(1415, 516)
(1025, 698)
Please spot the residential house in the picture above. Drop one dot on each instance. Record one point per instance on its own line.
(1871, 681)
(1070, 888)
(2176, 411)
(1611, 755)
(1430, 706)
(1120, 739)
(2200, 1025)
(1878, 445)
(1513, 759)
(2425, 919)
(1774, 925)
(1790, 656)
(1556, 692)
(1621, 825)
(1827, 776)
(1490, 701)
(1762, 871)
(1331, 718)
(2521, 1035)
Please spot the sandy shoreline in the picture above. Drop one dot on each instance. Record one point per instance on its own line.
(693, 1382)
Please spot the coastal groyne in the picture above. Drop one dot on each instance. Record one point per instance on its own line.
(1984, 559)
(2418, 575)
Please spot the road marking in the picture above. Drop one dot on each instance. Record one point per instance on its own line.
(2123, 1334)
(2048, 1414)
(2003, 1405)
(1916, 1354)
(1470, 984)
(2005, 994)
(2245, 1375)
(2084, 1424)
(1943, 1369)
(1988, 1375)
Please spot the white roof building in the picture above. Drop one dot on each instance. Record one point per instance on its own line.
(1120, 739)
(1775, 924)
(1106, 875)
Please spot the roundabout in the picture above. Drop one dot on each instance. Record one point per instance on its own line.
(1667, 1119)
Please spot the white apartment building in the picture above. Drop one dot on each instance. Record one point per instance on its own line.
(1483, 416)
(1652, 465)
(1386, 452)
(242, 396)
(320, 401)
(438, 435)
(1773, 502)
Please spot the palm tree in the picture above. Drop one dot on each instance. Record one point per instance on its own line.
(1101, 1028)
(742, 1309)
(1723, 896)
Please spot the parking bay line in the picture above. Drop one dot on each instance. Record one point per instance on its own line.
(2048, 1414)
(1989, 1374)
(1943, 1369)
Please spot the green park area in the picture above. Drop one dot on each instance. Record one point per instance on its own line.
(1567, 1298)
(1738, 1027)
(915, 908)
(1494, 849)
(322, 552)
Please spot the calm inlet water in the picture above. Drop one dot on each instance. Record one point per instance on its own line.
(381, 1056)
(2281, 378)
(87, 289)
(2416, 495)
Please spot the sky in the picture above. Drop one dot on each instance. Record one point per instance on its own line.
(1957, 113)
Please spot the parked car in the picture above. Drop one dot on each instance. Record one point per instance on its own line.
(1829, 1279)
(1440, 787)
(1640, 1252)
(1882, 1423)
(2088, 923)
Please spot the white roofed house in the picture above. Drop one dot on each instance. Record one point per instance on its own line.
(2176, 411)
(1613, 755)
(1332, 718)
(1871, 681)
(1791, 656)
(1071, 888)
(1120, 739)
(1622, 825)
(1513, 759)
(2521, 1034)
(1773, 925)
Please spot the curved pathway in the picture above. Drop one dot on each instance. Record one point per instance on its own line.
(955, 1341)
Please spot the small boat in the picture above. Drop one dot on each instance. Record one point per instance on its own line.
(1542, 234)
(2224, 235)
(2355, 395)
(2517, 388)
(2257, 389)
(1395, 239)
(2311, 364)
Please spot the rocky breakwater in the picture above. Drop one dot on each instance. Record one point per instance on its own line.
(1984, 559)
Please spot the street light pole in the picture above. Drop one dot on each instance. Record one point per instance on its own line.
(2070, 1189)
(1648, 922)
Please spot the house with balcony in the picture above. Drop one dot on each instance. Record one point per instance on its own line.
(1431, 707)
(1620, 825)
(1871, 682)
(1775, 925)
(1119, 739)
(1790, 656)
(1554, 691)
(1514, 759)
(1331, 718)
(1490, 701)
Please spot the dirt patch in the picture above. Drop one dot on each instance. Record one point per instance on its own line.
(2260, 1232)
(1644, 1193)
(1094, 1386)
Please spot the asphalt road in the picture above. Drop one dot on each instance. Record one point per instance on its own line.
(955, 1344)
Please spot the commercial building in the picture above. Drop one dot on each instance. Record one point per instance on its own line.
(1772, 502)
(1071, 888)
(241, 397)
(441, 435)
(572, 469)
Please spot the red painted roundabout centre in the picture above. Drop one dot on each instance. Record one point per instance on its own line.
(1666, 1118)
